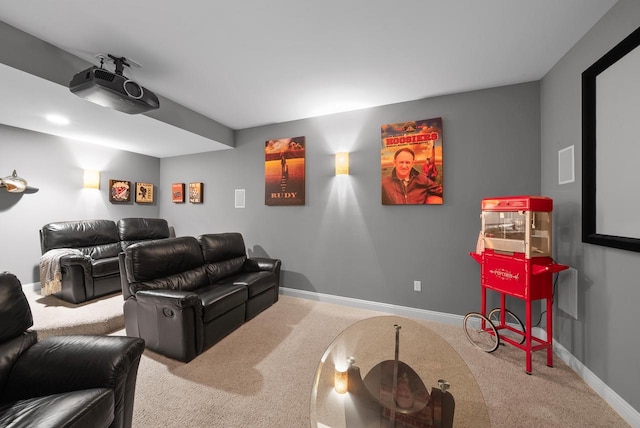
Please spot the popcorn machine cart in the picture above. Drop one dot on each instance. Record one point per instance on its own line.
(514, 253)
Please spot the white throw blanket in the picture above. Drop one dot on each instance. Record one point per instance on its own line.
(50, 271)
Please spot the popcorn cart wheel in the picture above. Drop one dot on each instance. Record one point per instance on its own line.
(481, 332)
(483, 336)
(512, 327)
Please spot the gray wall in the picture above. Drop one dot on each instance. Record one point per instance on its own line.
(55, 165)
(604, 337)
(344, 241)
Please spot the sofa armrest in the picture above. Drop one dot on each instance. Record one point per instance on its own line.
(76, 260)
(173, 298)
(69, 363)
(170, 322)
(256, 264)
(78, 263)
(77, 278)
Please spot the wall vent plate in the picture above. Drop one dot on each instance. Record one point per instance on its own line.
(239, 202)
(568, 292)
(566, 166)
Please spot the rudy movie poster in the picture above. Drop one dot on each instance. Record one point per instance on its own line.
(411, 163)
(284, 171)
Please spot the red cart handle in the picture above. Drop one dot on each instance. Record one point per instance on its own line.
(477, 257)
(552, 268)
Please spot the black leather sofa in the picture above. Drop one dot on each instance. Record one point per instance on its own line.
(62, 381)
(182, 295)
(92, 270)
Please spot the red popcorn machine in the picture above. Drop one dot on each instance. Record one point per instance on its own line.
(514, 253)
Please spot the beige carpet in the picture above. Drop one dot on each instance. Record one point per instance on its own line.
(261, 375)
(53, 316)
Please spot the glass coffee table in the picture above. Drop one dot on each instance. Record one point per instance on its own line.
(391, 371)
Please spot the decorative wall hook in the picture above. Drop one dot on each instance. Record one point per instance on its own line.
(15, 184)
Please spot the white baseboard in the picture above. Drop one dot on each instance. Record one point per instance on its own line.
(34, 286)
(375, 306)
(626, 411)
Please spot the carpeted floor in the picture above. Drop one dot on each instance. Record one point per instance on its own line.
(261, 375)
(53, 316)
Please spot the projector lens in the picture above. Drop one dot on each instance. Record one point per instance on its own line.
(133, 89)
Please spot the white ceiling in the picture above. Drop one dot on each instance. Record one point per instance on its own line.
(246, 63)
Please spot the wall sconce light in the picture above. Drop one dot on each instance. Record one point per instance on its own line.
(91, 179)
(342, 163)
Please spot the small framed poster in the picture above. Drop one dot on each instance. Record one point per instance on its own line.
(195, 193)
(119, 191)
(177, 193)
(144, 193)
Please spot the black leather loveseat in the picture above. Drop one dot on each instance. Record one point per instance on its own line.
(62, 381)
(84, 254)
(184, 294)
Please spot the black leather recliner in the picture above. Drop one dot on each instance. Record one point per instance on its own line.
(93, 271)
(182, 295)
(62, 381)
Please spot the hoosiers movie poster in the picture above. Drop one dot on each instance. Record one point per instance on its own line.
(284, 171)
(411, 163)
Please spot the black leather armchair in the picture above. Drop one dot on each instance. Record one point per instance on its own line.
(61, 381)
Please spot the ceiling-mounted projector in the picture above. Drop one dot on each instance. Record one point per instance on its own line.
(113, 89)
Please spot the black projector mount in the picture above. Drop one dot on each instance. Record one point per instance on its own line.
(119, 62)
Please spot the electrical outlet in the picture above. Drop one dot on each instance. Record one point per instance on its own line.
(417, 285)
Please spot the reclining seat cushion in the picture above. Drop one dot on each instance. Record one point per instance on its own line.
(104, 259)
(173, 263)
(220, 299)
(104, 267)
(132, 230)
(255, 282)
(224, 254)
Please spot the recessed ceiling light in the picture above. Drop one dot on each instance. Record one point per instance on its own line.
(57, 119)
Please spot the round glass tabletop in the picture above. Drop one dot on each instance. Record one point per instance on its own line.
(391, 371)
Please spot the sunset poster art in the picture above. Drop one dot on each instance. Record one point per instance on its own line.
(284, 170)
(412, 163)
